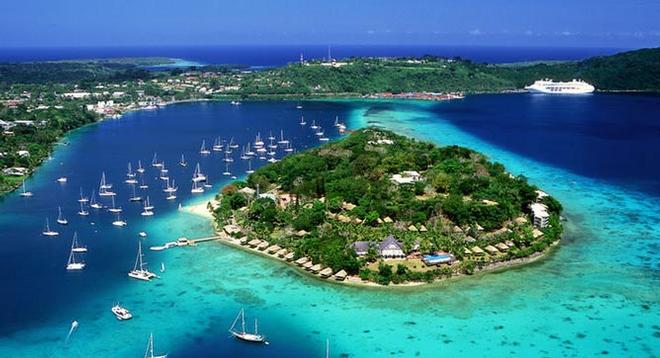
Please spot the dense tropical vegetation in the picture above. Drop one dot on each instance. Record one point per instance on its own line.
(343, 192)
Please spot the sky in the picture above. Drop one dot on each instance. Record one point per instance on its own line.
(575, 23)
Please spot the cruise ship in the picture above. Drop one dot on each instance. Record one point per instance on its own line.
(550, 86)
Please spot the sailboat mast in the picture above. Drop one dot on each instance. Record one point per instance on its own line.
(243, 320)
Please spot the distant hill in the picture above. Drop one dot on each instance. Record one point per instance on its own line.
(637, 70)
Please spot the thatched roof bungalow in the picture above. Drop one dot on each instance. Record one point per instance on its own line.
(341, 275)
(477, 250)
(326, 272)
(492, 250)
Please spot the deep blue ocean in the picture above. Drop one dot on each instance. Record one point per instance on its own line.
(280, 55)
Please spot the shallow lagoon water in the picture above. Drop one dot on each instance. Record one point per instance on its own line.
(596, 294)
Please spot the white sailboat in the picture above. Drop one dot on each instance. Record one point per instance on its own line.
(249, 170)
(114, 208)
(94, 204)
(228, 158)
(104, 187)
(313, 126)
(24, 192)
(207, 183)
(243, 155)
(183, 162)
(119, 222)
(249, 152)
(76, 247)
(82, 211)
(82, 199)
(130, 176)
(140, 271)
(73, 264)
(302, 121)
(257, 141)
(135, 197)
(226, 172)
(282, 140)
(140, 169)
(217, 145)
(47, 231)
(143, 185)
(272, 144)
(147, 205)
(288, 148)
(164, 172)
(155, 163)
(203, 150)
(198, 175)
(232, 144)
(196, 189)
(168, 187)
(60, 218)
(244, 335)
(150, 349)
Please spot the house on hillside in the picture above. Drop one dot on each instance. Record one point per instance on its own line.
(391, 248)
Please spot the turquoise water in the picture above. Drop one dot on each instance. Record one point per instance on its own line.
(597, 294)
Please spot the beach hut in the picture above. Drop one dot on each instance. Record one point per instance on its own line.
(341, 275)
(412, 228)
(289, 256)
(491, 250)
(301, 261)
(388, 220)
(502, 246)
(316, 268)
(231, 229)
(423, 229)
(326, 272)
(301, 233)
(308, 265)
(273, 249)
(509, 243)
(263, 245)
(254, 242)
(282, 252)
(477, 250)
(467, 251)
(347, 206)
(343, 218)
(243, 240)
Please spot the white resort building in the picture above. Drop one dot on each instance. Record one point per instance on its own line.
(540, 213)
(407, 177)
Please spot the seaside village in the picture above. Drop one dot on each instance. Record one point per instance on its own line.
(389, 249)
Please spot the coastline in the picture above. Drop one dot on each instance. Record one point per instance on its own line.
(201, 209)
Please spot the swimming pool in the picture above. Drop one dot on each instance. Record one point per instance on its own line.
(438, 259)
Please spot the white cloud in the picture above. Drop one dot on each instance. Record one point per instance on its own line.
(475, 32)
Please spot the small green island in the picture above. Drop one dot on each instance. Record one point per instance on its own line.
(379, 208)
